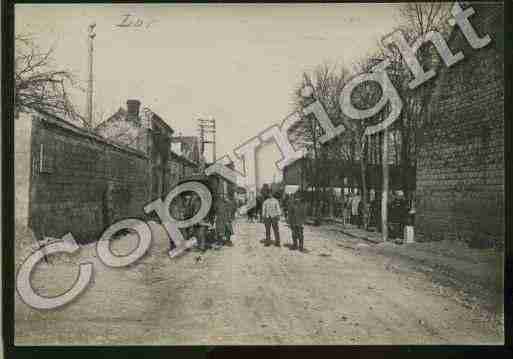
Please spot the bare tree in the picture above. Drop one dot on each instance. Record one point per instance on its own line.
(348, 149)
(417, 19)
(365, 96)
(327, 82)
(38, 85)
(420, 18)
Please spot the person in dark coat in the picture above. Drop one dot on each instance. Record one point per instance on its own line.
(296, 219)
(398, 213)
(232, 205)
(223, 220)
(251, 214)
(285, 204)
(376, 212)
(258, 208)
(359, 217)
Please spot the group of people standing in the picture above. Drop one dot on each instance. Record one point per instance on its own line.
(351, 209)
(216, 229)
(270, 214)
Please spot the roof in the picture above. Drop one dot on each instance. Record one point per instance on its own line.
(241, 189)
(206, 180)
(182, 158)
(121, 114)
(161, 122)
(67, 126)
(186, 139)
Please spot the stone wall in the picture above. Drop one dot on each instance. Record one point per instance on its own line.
(460, 169)
(63, 189)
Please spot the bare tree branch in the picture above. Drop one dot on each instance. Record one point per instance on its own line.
(38, 86)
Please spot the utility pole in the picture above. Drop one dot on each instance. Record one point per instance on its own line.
(201, 130)
(214, 140)
(384, 195)
(207, 127)
(91, 36)
(314, 166)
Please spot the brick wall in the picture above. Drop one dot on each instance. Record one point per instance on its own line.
(69, 173)
(460, 169)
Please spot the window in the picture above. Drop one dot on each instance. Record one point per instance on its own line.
(46, 159)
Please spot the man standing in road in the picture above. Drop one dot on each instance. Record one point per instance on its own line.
(296, 219)
(233, 213)
(223, 220)
(271, 213)
(258, 208)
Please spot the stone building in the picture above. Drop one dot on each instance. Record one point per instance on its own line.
(147, 132)
(460, 165)
(185, 151)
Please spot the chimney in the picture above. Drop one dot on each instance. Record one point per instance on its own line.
(132, 107)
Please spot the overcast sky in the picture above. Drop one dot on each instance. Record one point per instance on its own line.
(238, 63)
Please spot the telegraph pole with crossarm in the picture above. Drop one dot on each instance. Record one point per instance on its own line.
(207, 127)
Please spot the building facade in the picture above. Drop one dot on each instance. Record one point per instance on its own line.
(147, 132)
(186, 146)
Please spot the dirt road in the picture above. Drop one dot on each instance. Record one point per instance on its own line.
(336, 293)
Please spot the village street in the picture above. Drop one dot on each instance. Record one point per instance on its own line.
(339, 292)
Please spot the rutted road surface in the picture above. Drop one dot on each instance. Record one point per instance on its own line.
(336, 293)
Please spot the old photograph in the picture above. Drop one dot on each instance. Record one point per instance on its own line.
(259, 174)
